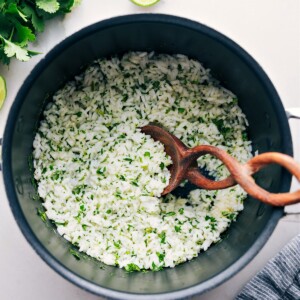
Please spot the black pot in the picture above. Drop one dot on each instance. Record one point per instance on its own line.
(269, 131)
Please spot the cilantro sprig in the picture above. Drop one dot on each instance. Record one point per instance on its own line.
(22, 20)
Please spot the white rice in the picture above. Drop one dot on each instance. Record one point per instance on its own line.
(101, 178)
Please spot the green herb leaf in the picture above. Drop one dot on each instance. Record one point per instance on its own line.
(155, 267)
(25, 34)
(225, 131)
(156, 85)
(122, 177)
(79, 189)
(42, 215)
(130, 160)
(132, 267)
(37, 22)
(170, 213)
(161, 256)
(11, 50)
(147, 154)
(134, 182)
(49, 6)
(61, 223)
(100, 112)
(21, 20)
(229, 215)
(75, 254)
(101, 171)
(244, 136)
(117, 244)
(13, 9)
(162, 237)
(177, 228)
(235, 101)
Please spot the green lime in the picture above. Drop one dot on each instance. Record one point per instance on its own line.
(2, 91)
(144, 3)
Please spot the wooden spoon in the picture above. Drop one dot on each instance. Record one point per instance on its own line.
(185, 167)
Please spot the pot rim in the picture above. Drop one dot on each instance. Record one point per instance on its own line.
(8, 176)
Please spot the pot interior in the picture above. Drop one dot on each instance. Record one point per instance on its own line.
(268, 130)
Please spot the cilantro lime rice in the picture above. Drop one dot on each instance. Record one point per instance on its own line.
(101, 179)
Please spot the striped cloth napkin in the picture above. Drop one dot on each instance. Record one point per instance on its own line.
(279, 279)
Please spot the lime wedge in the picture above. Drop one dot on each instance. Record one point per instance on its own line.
(144, 3)
(2, 91)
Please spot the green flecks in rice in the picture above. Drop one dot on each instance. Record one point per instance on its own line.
(101, 178)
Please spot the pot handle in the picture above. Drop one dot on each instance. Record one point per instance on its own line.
(0, 154)
(293, 113)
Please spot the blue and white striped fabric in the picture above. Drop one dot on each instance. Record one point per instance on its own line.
(279, 279)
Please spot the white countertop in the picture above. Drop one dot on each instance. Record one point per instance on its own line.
(269, 30)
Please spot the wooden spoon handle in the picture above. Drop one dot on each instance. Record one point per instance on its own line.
(241, 174)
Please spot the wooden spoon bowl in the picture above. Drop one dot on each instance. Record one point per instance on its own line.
(185, 167)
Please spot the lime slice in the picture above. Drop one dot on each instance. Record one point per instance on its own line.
(144, 3)
(2, 91)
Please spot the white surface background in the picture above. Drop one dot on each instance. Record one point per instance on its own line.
(268, 29)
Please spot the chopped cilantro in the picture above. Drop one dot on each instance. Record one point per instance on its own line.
(156, 85)
(75, 254)
(161, 256)
(61, 223)
(125, 98)
(177, 228)
(79, 189)
(130, 160)
(55, 175)
(122, 177)
(229, 215)
(123, 136)
(235, 101)
(162, 237)
(132, 267)
(118, 194)
(244, 136)
(155, 267)
(101, 171)
(117, 244)
(170, 213)
(225, 131)
(42, 215)
(148, 230)
(100, 112)
(147, 154)
(134, 182)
